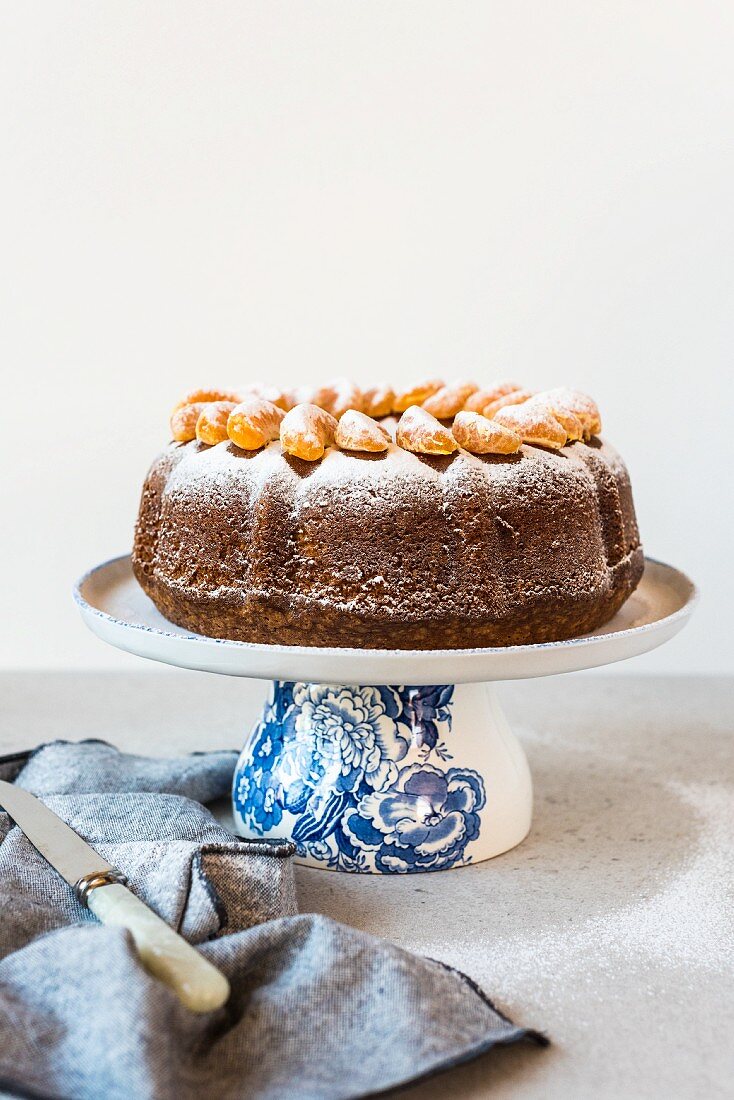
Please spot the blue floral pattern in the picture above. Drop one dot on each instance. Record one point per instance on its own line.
(361, 773)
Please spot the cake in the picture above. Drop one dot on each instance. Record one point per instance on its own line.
(442, 517)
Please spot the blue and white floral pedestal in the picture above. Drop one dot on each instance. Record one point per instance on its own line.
(384, 780)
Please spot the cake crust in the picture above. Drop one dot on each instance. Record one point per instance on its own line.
(389, 550)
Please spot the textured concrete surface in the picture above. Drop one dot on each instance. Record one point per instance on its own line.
(610, 928)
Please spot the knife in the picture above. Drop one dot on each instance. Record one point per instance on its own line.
(101, 887)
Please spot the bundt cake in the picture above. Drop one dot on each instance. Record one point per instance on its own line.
(447, 516)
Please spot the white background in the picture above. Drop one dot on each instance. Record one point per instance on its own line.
(217, 192)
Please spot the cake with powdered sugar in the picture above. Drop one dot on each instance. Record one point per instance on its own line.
(441, 517)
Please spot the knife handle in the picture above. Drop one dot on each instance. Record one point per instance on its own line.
(165, 954)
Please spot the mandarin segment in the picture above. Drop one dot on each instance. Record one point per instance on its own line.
(306, 431)
(478, 401)
(358, 432)
(417, 394)
(583, 406)
(290, 400)
(516, 397)
(378, 401)
(482, 436)
(301, 395)
(337, 396)
(534, 424)
(422, 433)
(254, 422)
(449, 400)
(568, 419)
(205, 397)
(211, 427)
(274, 394)
(183, 422)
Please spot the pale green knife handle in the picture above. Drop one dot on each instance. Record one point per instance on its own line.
(198, 984)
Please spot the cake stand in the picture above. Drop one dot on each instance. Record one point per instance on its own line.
(382, 761)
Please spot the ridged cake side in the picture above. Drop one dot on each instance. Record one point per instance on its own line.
(392, 550)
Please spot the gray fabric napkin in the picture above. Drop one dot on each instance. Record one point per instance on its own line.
(318, 1010)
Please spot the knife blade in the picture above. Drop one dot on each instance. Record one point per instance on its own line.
(59, 845)
(99, 885)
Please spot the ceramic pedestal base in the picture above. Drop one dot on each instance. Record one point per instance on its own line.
(384, 780)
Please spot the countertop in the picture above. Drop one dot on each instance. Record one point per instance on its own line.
(610, 928)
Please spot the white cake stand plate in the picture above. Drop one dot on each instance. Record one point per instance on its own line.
(382, 761)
